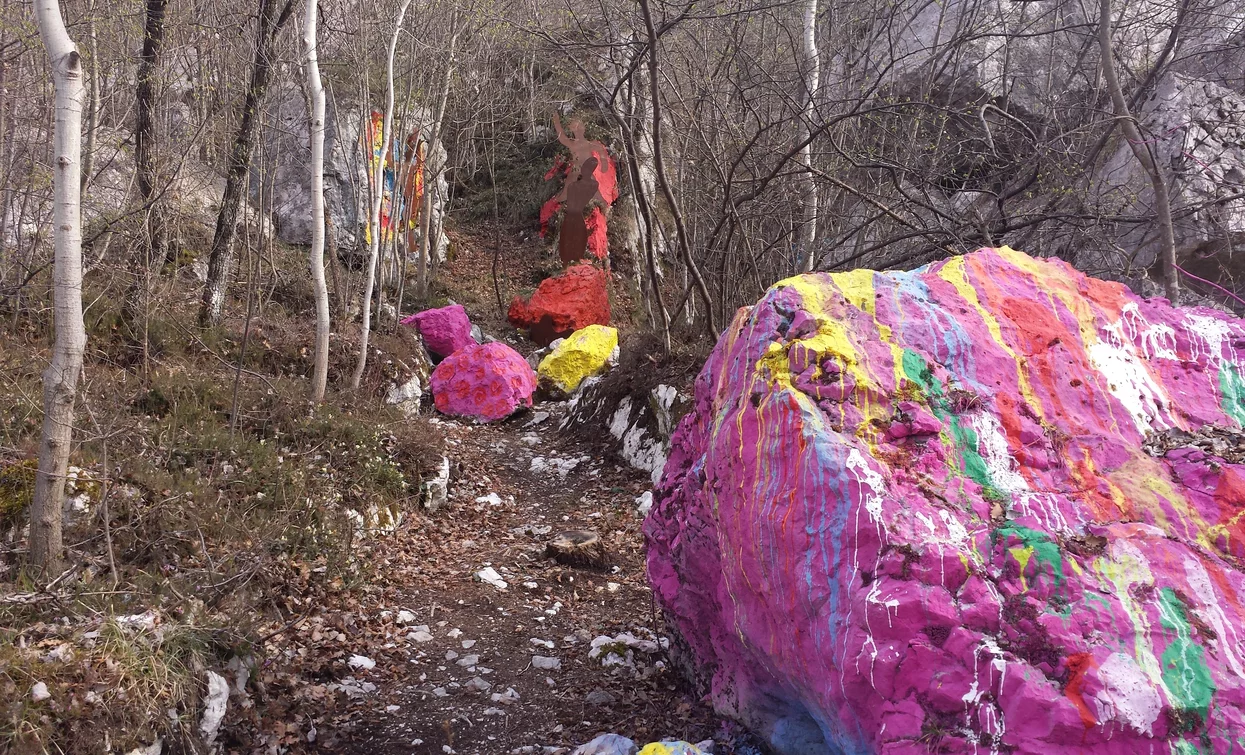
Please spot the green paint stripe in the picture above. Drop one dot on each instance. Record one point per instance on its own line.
(1184, 661)
(1045, 550)
(1232, 391)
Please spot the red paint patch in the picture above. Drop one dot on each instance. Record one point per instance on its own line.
(598, 238)
(1110, 296)
(563, 304)
(1079, 664)
(1037, 325)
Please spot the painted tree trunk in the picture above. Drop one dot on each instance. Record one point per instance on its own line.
(378, 184)
(60, 380)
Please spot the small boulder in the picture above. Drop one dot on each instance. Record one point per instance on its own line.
(607, 744)
(435, 491)
(445, 329)
(407, 394)
(486, 382)
(584, 354)
(563, 304)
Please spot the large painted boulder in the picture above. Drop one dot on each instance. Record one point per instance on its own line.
(989, 505)
(445, 329)
(564, 304)
(584, 354)
(485, 382)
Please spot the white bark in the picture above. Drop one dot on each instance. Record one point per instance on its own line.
(640, 118)
(432, 178)
(60, 380)
(808, 190)
(315, 93)
(378, 187)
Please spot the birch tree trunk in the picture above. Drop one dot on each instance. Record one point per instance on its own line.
(1141, 150)
(60, 380)
(220, 263)
(431, 180)
(808, 187)
(646, 174)
(315, 92)
(378, 190)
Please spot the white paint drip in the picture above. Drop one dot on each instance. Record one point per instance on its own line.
(973, 697)
(1214, 335)
(1157, 340)
(639, 449)
(1005, 474)
(1127, 379)
(874, 595)
(955, 530)
(1212, 332)
(872, 486)
(998, 457)
(1129, 567)
(621, 419)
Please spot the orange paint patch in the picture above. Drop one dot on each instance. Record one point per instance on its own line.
(1107, 295)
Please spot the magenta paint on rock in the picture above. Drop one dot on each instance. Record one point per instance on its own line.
(445, 330)
(485, 382)
(917, 511)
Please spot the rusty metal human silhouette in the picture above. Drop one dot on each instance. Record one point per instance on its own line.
(581, 148)
(580, 191)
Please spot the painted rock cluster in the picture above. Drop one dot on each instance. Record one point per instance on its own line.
(584, 354)
(954, 510)
(445, 329)
(563, 304)
(485, 382)
(614, 744)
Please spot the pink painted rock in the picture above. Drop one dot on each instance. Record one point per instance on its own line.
(445, 329)
(485, 382)
(990, 505)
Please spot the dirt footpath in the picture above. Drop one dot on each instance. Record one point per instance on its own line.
(508, 665)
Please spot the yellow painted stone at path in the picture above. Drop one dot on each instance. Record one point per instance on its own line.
(671, 748)
(582, 354)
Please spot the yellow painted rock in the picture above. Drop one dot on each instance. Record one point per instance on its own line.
(583, 354)
(671, 748)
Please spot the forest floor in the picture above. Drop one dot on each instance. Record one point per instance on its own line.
(476, 685)
(483, 669)
(214, 535)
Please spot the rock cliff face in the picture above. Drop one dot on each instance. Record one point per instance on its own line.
(283, 179)
(1199, 139)
(990, 505)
